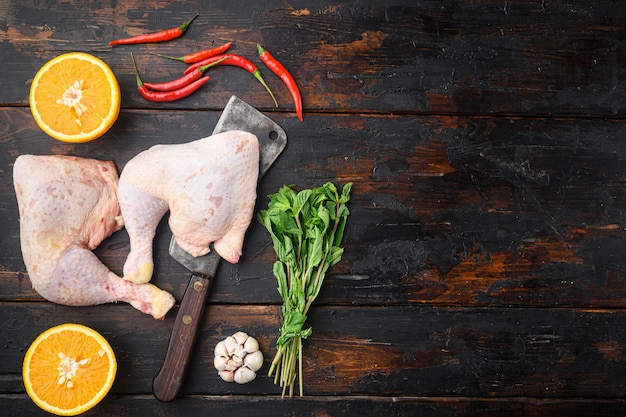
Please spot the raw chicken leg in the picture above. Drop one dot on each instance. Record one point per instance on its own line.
(209, 186)
(67, 206)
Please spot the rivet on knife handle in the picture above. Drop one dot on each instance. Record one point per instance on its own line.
(169, 380)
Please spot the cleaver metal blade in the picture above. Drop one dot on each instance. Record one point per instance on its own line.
(237, 115)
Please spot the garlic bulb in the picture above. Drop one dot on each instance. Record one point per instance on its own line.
(237, 358)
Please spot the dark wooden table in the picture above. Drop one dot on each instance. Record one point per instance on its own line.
(484, 271)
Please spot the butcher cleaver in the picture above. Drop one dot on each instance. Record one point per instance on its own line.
(237, 115)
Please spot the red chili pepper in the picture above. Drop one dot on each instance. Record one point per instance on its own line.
(200, 55)
(160, 36)
(278, 69)
(175, 84)
(166, 96)
(182, 81)
(238, 61)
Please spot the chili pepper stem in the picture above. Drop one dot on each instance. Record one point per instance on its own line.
(175, 58)
(258, 76)
(185, 25)
(139, 82)
(207, 66)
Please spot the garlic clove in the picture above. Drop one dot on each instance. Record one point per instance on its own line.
(220, 349)
(239, 353)
(251, 345)
(227, 376)
(244, 375)
(240, 337)
(231, 345)
(254, 360)
(220, 363)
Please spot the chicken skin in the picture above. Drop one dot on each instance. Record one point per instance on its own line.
(67, 206)
(209, 187)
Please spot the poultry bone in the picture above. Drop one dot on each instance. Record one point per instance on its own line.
(209, 187)
(67, 206)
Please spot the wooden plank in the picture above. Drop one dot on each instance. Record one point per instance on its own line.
(379, 351)
(484, 271)
(466, 57)
(448, 211)
(270, 406)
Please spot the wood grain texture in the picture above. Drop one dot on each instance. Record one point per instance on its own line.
(487, 57)
(448, 211)
(270, 406)
(484, 270)
(386, 351)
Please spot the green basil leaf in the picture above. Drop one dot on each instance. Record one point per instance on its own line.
(316, 252)
(300, 201)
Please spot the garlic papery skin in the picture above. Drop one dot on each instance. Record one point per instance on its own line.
(238, 358)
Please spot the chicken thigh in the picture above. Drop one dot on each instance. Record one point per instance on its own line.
(209, 187)
(67, 206)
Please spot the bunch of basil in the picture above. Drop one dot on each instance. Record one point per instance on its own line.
(307, 228)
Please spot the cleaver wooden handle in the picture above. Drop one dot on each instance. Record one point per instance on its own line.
(169, 380)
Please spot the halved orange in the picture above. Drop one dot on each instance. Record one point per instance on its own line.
(75, 97)
(69, 369)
